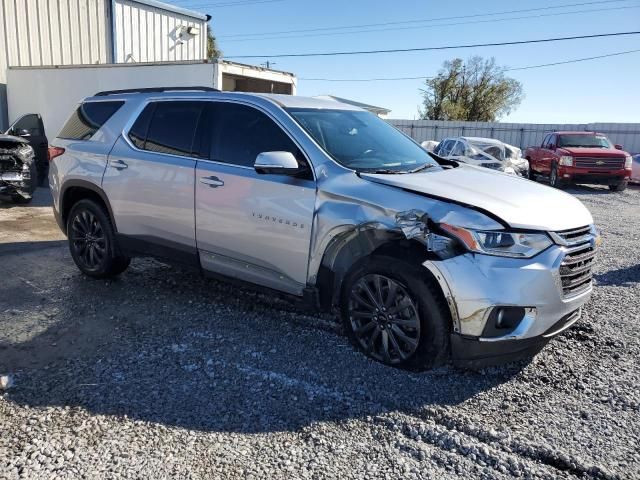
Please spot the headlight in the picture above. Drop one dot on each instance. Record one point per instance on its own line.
(627, 162)
(566, 161)
(499, 242)
(26, 153)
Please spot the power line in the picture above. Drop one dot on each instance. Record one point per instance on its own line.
(529, 67)
(405, 22)
(491, 20)
(442, 47)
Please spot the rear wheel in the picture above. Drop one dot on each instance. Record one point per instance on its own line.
(619, 187)
(392, 314)
(92, 241)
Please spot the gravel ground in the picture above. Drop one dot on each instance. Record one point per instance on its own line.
(162, 374)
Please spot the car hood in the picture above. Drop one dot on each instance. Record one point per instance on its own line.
(594, 152)
(519, 202)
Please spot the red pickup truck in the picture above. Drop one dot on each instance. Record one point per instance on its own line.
(579, 157)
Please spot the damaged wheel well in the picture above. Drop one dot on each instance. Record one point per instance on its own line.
(347, 253)
(74, 193)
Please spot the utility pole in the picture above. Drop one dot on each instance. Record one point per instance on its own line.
(268, 64)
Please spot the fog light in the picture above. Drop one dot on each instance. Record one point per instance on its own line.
(502, 321)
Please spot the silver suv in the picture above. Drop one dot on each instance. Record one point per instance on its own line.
(426, 259)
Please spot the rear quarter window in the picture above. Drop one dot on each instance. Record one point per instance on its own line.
(87, 119)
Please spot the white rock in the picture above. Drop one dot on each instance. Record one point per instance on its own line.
(6, 382)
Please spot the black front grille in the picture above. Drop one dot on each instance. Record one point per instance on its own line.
(604, 163)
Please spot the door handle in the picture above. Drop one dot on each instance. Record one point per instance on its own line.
(213, 182)
(118, 164)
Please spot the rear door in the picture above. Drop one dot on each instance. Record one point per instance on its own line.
(256, 227)
(31, 128)
(149, 180)
(548, 154)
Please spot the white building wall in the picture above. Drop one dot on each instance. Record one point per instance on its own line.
(146, 33)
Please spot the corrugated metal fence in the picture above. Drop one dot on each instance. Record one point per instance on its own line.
(519, 134)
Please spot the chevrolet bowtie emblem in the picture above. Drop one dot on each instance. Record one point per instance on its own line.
(599, 162)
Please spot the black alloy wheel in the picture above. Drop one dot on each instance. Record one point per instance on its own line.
(394, 313)
(92, 241)
(88, 239)
(384, 319)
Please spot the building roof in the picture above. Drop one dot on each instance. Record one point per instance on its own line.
(173, 8)
(371, 108)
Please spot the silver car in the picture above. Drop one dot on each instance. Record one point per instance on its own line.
(426, 260)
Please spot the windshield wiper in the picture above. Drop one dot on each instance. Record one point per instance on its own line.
(426, 166)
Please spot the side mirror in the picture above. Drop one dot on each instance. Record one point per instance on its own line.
(23, 132)
(618, 146)
(551, 146)
(282, 163)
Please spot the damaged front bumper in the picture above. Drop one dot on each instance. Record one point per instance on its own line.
(505, 308)
(17, 172)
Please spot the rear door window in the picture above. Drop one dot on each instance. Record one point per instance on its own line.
(172, 127)
(88, 118)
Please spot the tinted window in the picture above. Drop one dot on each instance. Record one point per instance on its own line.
(240, 133)
(587, 141)
(88, 119)
(552, 141)
(138, 132)
(545, 142)
(30, 123)
(173, 127)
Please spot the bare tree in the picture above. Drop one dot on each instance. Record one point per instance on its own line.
(477, 90)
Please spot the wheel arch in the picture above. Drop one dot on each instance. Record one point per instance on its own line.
(349, 249)
(73, 191)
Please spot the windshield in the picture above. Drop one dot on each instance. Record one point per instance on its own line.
(587, 141)
(362, 141)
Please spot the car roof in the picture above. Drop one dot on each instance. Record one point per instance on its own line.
(483, 140)
(284, 101)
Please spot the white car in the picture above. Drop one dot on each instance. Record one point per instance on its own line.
(485, 152)
(429, 145)
(635, 169)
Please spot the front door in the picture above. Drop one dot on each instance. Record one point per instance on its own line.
(149, 181)
(31, 128)
(256, 227)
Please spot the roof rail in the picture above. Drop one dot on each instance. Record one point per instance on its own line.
(155, 90)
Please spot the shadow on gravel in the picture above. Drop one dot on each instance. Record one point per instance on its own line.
(620, 276)
(162, 345)
(26, 247)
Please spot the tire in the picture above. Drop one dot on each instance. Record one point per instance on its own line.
(92, 241)
(619, 187)
(554, 181)
(415, 322)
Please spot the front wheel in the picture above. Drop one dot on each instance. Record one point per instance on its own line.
(554, 180)
(394, 315)
(92, 241)
(619, 187)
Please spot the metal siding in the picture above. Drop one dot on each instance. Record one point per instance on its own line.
(50, 32)
(146, 33)
(522, 135)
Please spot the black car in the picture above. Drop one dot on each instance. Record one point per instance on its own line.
(18, 171)
(31, 128)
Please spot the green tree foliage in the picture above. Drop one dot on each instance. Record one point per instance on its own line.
(213, 52)
(475, 90)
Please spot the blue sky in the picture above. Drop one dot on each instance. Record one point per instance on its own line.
(605, 90)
